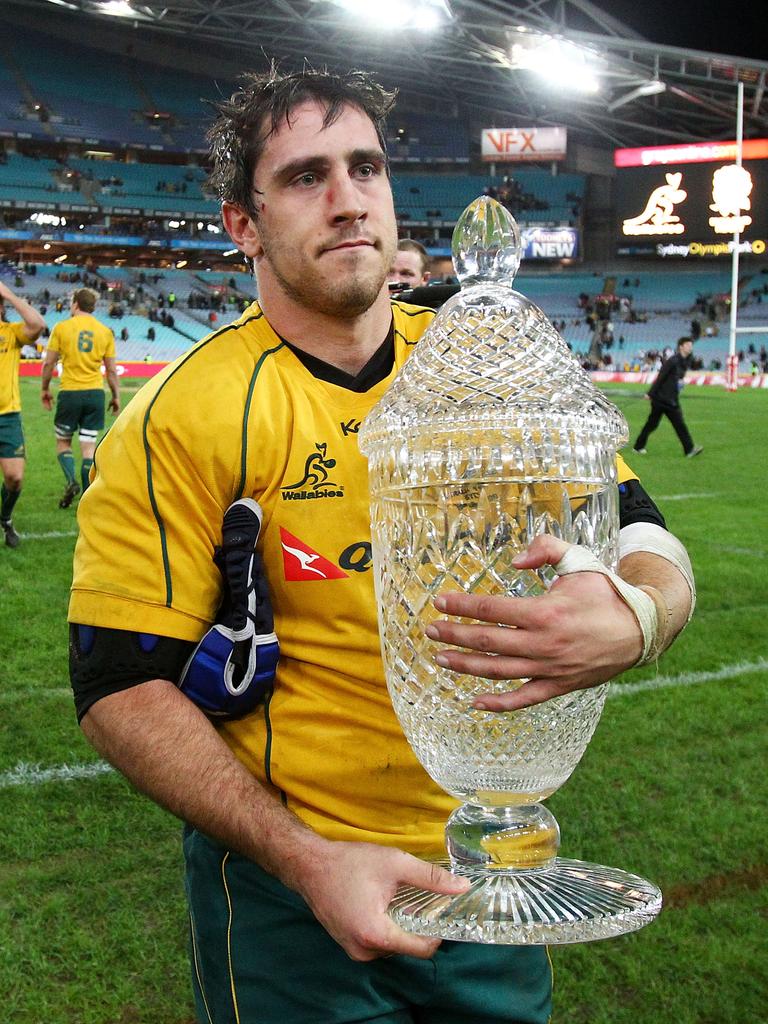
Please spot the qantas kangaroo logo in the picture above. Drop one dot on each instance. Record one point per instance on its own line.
(303, 563)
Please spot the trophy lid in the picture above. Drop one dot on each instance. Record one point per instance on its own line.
(486, 244)
(492, 364)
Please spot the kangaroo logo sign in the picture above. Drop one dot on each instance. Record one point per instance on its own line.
(695, 208)
(658, 217)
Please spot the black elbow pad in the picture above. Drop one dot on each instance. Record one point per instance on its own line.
(104, 661)
(636, 506)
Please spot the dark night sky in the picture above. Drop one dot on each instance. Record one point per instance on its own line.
(739, 27)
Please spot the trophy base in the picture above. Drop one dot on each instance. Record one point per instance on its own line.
(568, 901)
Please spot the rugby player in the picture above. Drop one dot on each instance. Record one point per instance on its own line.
(82, 343)
(304, 807)
(13, 337)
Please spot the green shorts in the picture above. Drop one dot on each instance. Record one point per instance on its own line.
(259, 956)
(79, 410)
(11, 436)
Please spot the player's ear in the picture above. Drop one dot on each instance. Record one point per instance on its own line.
(242, 229)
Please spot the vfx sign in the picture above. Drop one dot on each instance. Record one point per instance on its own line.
(698, 203)
(523, 144)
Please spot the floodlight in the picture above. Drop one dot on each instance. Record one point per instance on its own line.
(117, 8)
(424, 15)
(121, 9)
(556, 60)
(650, 88)
(52, 219)
(426, 19)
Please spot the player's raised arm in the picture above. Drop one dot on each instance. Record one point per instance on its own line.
(34, 324)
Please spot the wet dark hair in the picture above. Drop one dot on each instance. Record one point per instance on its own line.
(263, 103)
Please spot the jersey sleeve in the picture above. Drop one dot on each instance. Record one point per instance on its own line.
(624, 473)
(20, 333)
(150, 521)
(110, 349)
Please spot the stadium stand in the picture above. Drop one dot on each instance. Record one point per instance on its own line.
(146, 188)
(428, 198)
(662, 307)
(422, 138)
(661, 291)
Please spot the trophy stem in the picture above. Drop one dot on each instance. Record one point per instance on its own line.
(496, 839)
(521, 892)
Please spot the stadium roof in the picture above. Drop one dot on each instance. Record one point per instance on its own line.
(649, 94)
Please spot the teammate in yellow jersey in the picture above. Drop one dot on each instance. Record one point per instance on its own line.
(13, 336)
(82, 343)
(305, 808)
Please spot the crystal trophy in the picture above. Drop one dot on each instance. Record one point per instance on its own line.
(490, 435)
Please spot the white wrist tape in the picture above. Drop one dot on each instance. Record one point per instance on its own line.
(579, 559)
(658, 541)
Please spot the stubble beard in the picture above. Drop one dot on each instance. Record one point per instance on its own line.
(345, 298)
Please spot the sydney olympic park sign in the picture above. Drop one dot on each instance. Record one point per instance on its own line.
(688, 200)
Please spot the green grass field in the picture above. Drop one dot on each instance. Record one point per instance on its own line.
(92, 916)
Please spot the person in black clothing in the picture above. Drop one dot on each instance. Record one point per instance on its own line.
(664, 394)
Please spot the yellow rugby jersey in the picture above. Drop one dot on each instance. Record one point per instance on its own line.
(12, 338)
(240, 415)
(82, 342)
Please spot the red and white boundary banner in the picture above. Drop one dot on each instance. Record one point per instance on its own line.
(697, 378)
(31, 368)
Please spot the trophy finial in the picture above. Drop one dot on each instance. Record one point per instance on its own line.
(486, 244)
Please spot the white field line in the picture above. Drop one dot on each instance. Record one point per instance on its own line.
(47, 536)
(689, 678)
(35, 775)
(730, 550)
(684, 497)
(31, 693)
